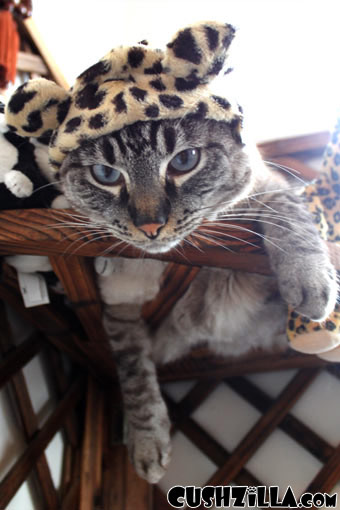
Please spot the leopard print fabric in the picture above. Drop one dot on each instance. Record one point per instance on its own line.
(323, 199)
(129, 84)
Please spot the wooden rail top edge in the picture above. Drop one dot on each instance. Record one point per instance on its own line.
(294, 145)
(47, 232)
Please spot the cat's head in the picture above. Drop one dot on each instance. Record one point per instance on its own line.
(141, 142)
(152, 184)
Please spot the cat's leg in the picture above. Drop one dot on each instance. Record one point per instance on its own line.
(148, 425)
(299, 257)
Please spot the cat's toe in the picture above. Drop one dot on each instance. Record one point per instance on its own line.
(150, 455)
(312, 292)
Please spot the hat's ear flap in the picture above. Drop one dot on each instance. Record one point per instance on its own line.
(198, 51)
(37, 108)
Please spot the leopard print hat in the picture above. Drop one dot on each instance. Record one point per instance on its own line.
(129, 84)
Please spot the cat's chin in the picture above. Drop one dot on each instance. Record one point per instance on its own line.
(157, 247)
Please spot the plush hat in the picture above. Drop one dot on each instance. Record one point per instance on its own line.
(129, 84)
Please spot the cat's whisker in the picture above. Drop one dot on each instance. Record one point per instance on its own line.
(252, 195)
(71, 219)
(110, 248)
(85, 231)
(44, 186)
(73, 225)
(71, 212)
(60, 217)
(76, 217)
(298, 236)
(264, 237)
(255, 211)
(181, 253)
(239, 227)
(211, 239)
(266, 206)
(291, 171)
(251, 211)
(191, 243)
(93, 239)
(74, 242)
(251, 217)
(119, 254)
(248, 216)
(279, 190)
(84, 222)
(230, 236)
(91, 232)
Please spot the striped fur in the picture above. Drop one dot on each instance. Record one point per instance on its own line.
(234, 312)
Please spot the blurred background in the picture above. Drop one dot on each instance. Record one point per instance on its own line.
(285, 55)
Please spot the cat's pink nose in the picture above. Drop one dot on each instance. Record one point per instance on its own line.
(151, 230)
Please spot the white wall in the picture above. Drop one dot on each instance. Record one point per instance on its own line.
(285, 55)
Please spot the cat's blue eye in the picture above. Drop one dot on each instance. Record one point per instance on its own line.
(106, 175)
(185, 161)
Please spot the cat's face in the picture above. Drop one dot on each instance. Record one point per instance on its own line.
(153, 183)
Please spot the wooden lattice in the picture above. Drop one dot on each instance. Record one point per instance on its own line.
(13, 360)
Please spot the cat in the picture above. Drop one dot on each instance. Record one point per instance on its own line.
(152, 184)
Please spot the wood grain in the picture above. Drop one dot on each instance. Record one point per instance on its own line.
(40, 231)
(122, 488)
(61, 382)
(77, 277)
(90, 475)
(17, 357)
(204, 365)
(328, 476)
(71, 498)
(138, 492)
(294, 145)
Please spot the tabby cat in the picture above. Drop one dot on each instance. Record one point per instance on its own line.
(152, 184)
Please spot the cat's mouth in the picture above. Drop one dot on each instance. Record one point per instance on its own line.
(166, 243)
(156, 246)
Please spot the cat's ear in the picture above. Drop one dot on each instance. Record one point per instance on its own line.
(199, 51)
(37, 108)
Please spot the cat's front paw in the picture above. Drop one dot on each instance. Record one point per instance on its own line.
(309, 286)
(149, 451)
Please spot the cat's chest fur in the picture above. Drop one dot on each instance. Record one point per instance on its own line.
(128, 281)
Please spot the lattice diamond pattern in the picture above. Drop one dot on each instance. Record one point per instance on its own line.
(270, 428)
